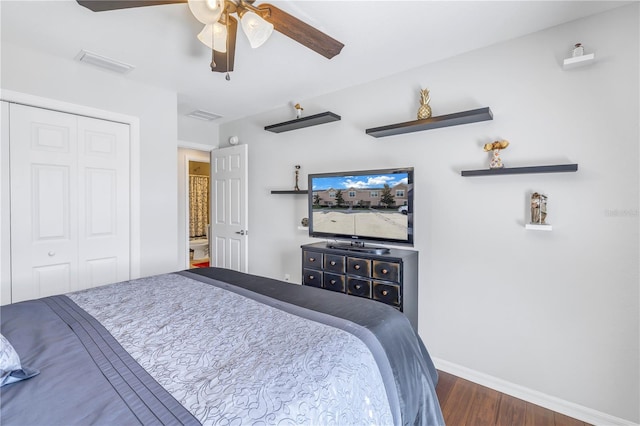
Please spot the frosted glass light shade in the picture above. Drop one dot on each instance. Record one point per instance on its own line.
(206, 11)
(257, 29)
(214, 36)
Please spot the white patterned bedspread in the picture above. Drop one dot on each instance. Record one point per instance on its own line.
(231, 360)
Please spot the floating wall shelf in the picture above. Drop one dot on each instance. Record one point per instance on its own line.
(578, 61)
(538, 227)
(299, 123)
(522, 170)
(455, 119)
(291, 192)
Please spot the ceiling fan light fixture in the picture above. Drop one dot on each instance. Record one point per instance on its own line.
(256, 28)
(206, 11)
(214, 36)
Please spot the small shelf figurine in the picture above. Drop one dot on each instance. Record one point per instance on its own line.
(299, 110)
(496, 147)
(578, 50)
(538, 208)
(424, 111)
(297, 188)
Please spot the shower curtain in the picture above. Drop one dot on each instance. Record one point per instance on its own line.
(198, 205)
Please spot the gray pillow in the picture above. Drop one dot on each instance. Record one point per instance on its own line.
(10, 368)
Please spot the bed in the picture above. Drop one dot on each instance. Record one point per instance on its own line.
(213, 346)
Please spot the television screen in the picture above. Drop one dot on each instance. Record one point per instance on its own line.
(369, 205)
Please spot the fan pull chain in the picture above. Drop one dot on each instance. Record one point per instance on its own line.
(213, 53)
(227, 77)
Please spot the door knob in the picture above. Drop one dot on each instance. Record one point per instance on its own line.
(241, 232)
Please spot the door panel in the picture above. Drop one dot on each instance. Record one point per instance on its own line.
(229, 245)
(43, 202)
(69, 202)
(103, 174)
(50, 202)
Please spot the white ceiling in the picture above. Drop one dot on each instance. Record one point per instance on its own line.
(381, 38)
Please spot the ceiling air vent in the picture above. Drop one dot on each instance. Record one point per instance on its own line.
(103, 62)
(203, 115)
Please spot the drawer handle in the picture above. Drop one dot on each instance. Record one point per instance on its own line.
(332, 281)
(312, 259)
(357, 286)
(385, 292)
(311, 277)
(385, 271)
(332, 263)
(356, 267)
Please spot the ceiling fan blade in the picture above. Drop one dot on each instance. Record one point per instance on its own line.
(104, 5)
(301, 32)
(224, 63)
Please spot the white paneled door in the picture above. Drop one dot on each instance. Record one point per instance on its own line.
(229, 216)
(69, 202)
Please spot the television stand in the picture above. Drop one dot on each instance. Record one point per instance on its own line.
(390, 278)
(359, 247)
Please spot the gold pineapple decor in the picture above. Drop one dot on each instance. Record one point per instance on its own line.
(425, 110)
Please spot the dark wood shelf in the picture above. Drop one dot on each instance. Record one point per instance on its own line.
(560, 168)
(300, 191)
(455, 119)
(299, 123)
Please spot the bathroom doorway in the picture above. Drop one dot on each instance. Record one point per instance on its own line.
(194, 216)
(198, 214)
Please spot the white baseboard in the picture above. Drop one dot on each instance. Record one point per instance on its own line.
(538, 398)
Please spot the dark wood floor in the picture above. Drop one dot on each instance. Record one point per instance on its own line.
(467, 403)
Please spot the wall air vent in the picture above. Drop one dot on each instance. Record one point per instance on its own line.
(203, 115)
(103, 62)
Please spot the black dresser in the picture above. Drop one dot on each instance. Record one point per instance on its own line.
(390, 278)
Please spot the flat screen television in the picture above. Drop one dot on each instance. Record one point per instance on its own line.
(357, 207)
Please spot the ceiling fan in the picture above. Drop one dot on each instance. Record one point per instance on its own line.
(220, 26)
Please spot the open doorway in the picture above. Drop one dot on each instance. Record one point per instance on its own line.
(198, 216)
(193, 205)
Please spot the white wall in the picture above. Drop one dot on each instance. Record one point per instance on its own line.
(554, 312)
(34, 73)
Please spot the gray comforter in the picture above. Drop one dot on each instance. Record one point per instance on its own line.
(214, 346)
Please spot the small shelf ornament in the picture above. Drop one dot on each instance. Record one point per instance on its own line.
(424, 111)
(538, 213)
(495, 147)
(299, 110)
(578, 50)
(297, 188)
(578, 57)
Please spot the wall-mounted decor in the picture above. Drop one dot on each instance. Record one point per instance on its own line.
(455, 119)
(556, 168)
(297, 188)
(424, 111)
(299, 123)
(538, 206)
(578, 50)
(578, 57)
(495, 147)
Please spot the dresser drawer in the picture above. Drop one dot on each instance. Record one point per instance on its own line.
(386, 293)
(312, 277)
(388, 271)
(311, 259)
(358, 266)
(359, 287)
(334, 263)
(334, 282)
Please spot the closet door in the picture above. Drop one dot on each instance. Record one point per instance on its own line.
(69, 195)
(103, 202)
